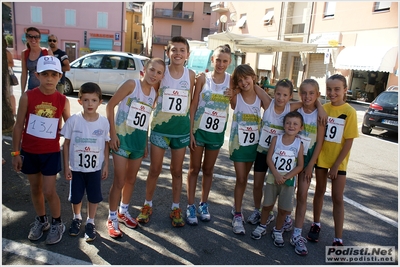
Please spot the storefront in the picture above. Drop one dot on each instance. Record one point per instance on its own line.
(371, 69)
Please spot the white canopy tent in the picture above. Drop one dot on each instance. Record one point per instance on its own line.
(254, 44)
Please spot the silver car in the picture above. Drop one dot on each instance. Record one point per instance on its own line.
(106, 68)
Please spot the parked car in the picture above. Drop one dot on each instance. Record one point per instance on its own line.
(382, 112)
(106, 68)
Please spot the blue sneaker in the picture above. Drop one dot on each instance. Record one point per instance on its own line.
(204, 213)
(191, 217)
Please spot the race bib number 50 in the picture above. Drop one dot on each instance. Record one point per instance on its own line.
(175, 101)
(334, 130)
(139, 116)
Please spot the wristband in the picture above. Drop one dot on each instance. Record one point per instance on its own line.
(16, 153)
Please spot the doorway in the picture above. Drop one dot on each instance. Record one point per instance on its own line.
(70, 49)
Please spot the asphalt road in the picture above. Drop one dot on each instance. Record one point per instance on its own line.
(371, 216)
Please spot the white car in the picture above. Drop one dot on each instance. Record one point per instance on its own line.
(106, 68)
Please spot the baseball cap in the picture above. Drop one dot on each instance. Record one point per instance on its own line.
(48, 63)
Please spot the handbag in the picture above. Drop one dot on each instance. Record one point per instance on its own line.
(13, 78)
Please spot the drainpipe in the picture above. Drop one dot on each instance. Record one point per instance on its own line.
(279, 38)
(122, 25)
(15, 39)
(308, 39)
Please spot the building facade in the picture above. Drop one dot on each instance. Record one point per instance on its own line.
(133, 37)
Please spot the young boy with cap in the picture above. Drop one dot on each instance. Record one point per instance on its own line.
(36, 147)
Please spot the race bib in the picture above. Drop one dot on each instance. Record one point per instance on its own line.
(139, 116)
(175, 101)
(248, 135)
(306, 143)
(267, 133)
(334, 130)
(86, 158)
(42, 127)
(213, 120)
(284, 160)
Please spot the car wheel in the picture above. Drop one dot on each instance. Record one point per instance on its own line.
(68, 89)
(366, 129)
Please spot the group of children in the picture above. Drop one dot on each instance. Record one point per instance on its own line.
(188, 112)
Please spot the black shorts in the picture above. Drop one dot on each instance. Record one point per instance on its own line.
(48, 164)
(339, 172)
(260, 164)
(91, 181)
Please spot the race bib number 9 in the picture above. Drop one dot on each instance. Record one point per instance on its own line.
(267, 133)
(334, 130)
(42, 127)
(175, 101)
(139, 116)
(248, 135)
(284, 160)
(213, 121)
(86, 158)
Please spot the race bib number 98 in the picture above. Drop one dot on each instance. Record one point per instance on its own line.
(175, 101)
(334, 130)
(213, 120)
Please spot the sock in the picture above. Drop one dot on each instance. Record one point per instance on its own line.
(297, 231)
(56, 220)
(112, 215)
(148, 202)
(43, 218)
(238, 214)
(263, 225)
(337, 239)
(201, 203)
(77, 216)
(276, 230)
(175, 205)
(319, 224)
(88, 220)
(123, 208)
(288, 218)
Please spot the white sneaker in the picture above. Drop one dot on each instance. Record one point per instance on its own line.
(258, 232)
(255, 217)
(237, 224)
(288, 226)
(191, 217)
(278, 238)
(299, 245)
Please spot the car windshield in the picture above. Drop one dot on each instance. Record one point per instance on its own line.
(390, 98)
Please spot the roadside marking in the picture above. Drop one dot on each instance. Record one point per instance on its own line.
(38, 254)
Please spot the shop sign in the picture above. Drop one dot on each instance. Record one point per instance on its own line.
(102, 35)
(117, 43)
(325, 39)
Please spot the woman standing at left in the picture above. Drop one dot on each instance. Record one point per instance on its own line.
(29, 58)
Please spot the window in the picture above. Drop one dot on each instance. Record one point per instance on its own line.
(298, 28)
(329, 9)
(36, 14)
(177, 6)
(135, 35)
(102, 20)
(92, 62)
(242, 21)
(296, 69)
(382, 6)
(70, 17)
(175, 30)
(207, 8)
(136, 19)
(204, 33)
(267, 19)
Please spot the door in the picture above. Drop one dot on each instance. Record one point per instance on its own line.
(70, 49)
(175, 30)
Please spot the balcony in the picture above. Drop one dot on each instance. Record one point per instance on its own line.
(163, 39)
(219, 7)
(172, 14)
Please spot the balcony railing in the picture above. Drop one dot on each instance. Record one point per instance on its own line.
(163, 39)
(172, 14)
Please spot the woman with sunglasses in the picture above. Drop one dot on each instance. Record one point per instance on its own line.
(29, 58)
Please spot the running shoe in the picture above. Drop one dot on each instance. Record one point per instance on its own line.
(299, 244)
(288, 225)
(191, 217)
(258, 232)
(90, 232)
(237, 224)
(127, 219)
(337, 243)
(176, 216)
(55, 234)
(255, 217)
(75, 227)
(113, 228)
(313, 235)
(36, 232)
(271, 217)
(278, 238)
(144, 215)
(205, 215)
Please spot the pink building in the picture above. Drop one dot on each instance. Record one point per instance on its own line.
(80, 27)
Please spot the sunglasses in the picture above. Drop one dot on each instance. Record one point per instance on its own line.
(32, 36)
(52, 41)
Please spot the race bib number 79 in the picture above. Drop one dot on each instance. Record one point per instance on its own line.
(248, 135)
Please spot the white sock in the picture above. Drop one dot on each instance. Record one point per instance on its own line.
(297, 231)
(78, 216)
(175, 205)
(112, 215)
(319, 224)
(88, 220)
(148, 202)
(123, 208)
